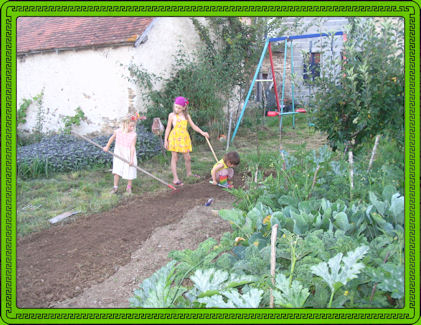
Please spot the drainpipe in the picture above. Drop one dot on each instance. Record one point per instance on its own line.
(144, 37)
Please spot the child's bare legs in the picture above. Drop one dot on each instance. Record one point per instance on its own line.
(129, 186)
(174, 159)
(225, 172)
(115, 188)
(116, 179)
(230, 175)
(187, 161)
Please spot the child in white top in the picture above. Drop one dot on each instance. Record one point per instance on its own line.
(125, 147)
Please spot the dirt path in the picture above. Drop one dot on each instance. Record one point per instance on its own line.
(98, 260)
(196, 226)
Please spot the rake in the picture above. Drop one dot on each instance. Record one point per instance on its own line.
(127, 162)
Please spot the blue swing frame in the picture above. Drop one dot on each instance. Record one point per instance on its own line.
(271, 40)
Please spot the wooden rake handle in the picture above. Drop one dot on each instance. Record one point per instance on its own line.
(127, 162)
(210, 146)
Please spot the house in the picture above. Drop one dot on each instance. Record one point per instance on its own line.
(83, 62)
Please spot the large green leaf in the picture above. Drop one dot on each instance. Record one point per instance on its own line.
(380, 206)
(211, 281)
(397, 206)
(234, 216)
(387, 193)
(341, 221)
(327, 207)
(293, 296)
(302, 222)
(207, 280)
(157, 291)
(301, 225)
(282, 220)
(254, 218)
(233, 299)
(339, 270)
(309, 206)
(287, 200)
(391, 278)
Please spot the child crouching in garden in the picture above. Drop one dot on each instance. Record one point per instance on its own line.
(223, 171)
(125, 147)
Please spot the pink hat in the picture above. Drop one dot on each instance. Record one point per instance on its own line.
(181, 101)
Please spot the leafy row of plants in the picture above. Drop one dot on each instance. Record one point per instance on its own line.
(330, 253)
(319, 174)
(64, 153)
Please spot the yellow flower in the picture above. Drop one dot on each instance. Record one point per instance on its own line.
(266, 220)
(284, 236)
(256, 243)
(346, 293)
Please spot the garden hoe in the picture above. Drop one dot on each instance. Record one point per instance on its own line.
(224, 183)
(210, 146)
(121, 158)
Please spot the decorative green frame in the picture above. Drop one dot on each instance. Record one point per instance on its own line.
(11, 10)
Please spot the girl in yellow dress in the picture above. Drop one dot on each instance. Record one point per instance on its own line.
(178, 139)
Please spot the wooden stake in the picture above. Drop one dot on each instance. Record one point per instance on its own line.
(273, 260)
(256, 173)
(351, 173)
(314, 181)
(373, 153)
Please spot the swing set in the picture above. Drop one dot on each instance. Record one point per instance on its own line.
(280, 108)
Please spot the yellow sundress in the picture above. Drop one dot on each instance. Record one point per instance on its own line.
(179, 138)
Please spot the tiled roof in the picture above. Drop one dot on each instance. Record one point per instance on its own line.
(51, 33)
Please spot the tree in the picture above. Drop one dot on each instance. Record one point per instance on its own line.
(361, 94)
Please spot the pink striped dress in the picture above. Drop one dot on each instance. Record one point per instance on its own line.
(122, 149)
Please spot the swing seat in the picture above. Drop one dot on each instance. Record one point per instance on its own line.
(272, 113)
(276, 113)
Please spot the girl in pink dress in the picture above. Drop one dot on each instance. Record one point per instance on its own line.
(125, 147)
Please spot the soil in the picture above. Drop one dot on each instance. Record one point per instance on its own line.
(97, 261)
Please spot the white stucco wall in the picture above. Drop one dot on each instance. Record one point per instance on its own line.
(165, 38)
(95, 80)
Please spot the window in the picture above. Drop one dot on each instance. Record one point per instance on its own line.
(311, 66)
